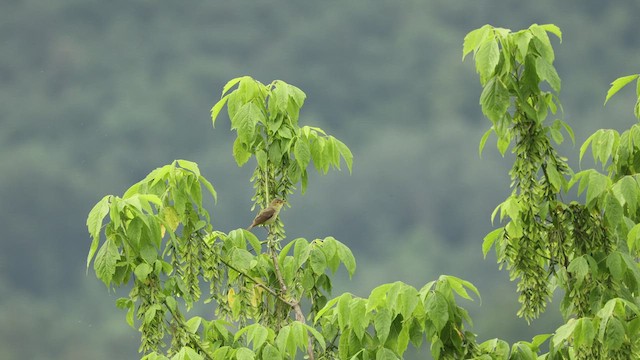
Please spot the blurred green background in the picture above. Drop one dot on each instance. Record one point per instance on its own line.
(95, 94)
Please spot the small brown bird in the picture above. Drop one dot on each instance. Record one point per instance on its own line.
(268, 215)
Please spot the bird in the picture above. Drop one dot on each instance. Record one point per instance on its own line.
(268, 215)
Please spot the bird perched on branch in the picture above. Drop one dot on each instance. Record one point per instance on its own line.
(268, 215)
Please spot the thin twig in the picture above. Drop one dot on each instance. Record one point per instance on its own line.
(259, 283)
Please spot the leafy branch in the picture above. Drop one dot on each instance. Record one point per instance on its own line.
(546, 242)
(158, 238)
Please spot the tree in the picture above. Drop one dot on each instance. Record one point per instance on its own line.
(586, 249)
(271, 296)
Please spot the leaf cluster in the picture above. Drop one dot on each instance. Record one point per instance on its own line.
(159, 238)
(265, 118)
(587, 249)
(394, 315)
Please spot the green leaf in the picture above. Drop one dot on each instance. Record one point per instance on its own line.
(483, 140)
(279, 96)
(555, 179)
(407, 301)
(503, 143)
(259, 336)
(436, 347)
(403, 339)
(549, 99)
(248, 88)
(563, 333)
(437, 309)
(626, 191)
(522, 39)
(245, 121)
(297, 95)
(585, 145)
(539, 340)
(489, 239)
(130, 314)
(613, 211)
(150, 313)
(329, 247)
(209, 187)
(633, 238)
(261, 158)
(569, 130)
(474, 38)
(499, 348)
(584, 333)
(241, 259)
(142, 271)
(240, 152)
(106, 259)
(521, 350)
(283, 253)
(382, 324)
(358, 319)
(342, 308)
(275, 152)
(285, 342)
(346, 256)
(579, 267)
(385, 354)
(618, 84)
(632, 267)
(189, 165)
(193, 324)
(616, 266)
(231, 83)
(317, 261)
(318, 153)
(494, 100)
(316, 335)
(172, 305)
(332, 153)
(548, 73)
(215, 110)
(94, 224)
(187, 353)
(458, 285)
(553, 29)
(605, 144)
(345, 153)
(270, 353)
(302, 152)
(598, 184)
(245, 354)
(542, 42)
(487, 59)
(615, 334)
(148, 253)
(285, 132)
(392, 294)
(377, 297)
(301, 251)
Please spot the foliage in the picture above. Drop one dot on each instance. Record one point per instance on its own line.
(511, 66)
(160, 239)
(586, 249)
